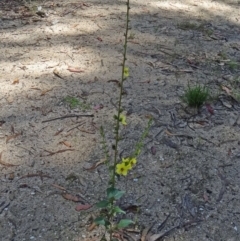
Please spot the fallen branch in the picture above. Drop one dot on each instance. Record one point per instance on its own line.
(67, 116)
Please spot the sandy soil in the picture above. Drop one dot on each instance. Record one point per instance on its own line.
(59, 70)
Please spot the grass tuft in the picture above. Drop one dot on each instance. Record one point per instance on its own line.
(73, 102)
(196, 96)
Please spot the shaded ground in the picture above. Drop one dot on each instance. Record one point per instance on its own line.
(64, 61)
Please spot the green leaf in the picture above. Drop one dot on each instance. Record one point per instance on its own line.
(124, 223)
(114, 193)
(119, 194)
(102, 204)
(118, 210)
(111, 192)
(102, 221)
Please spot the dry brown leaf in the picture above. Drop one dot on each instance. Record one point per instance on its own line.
(5, 163)
(169, 133)
(145, 232)
(35, 88)
(16, 81)
(95, 165)
(12, 137)
(71, 197)
(155, 237)
(45, 91)
(81, 207)
(91, 227)
(75, 70)
(66, 143)
(226, 89)
(59, 131)
(59, 187)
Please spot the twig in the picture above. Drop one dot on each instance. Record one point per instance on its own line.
(51, 153)
(225, 182)
(30, 152)
(77, 126)
(162, 225)
(86, 131)
(67, 116)
(5, 206)
(111, 101)
(188, 224)
(40, 174)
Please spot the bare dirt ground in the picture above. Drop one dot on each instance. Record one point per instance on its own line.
(63, 61)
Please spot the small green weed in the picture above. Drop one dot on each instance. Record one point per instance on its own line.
(223, 55)
(117, 165)
(235, 83)
(73, 102)
(236, 95)
(208, 32)
(196, 96)
(233, 65)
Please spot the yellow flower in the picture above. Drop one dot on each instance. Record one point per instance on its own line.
(126, 72)
(129, 162)
(122, 169)
(123, 119)
(132, 161)
(125, 159)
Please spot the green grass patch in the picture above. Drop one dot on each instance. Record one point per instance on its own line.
(196, 96)
(235, 83)
(233, 65)
(223, 55)
(74, 102)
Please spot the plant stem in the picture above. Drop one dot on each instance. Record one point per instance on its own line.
(120, 97)
(119, 110)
